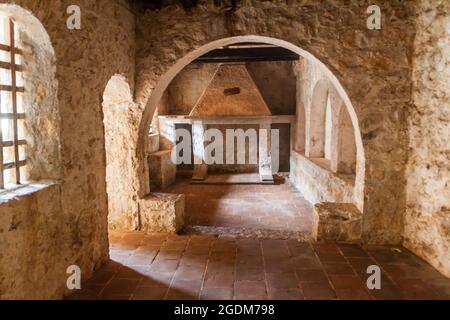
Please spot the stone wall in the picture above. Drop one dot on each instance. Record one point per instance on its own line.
(373, 66)
(62, 224)
(120, 146)
(427, 220)
(40, 101)
(85, 60)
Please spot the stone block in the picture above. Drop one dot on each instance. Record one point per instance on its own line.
(162, 170)
(162, 212)
(337, 222)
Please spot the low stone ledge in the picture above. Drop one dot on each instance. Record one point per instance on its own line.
(162, 212)
(337, 222)
(25, 190)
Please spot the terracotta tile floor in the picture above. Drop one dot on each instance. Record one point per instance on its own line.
(276, 208)
(159, 266)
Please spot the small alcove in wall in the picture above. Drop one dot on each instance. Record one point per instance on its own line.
(30, 159)
(30, 123)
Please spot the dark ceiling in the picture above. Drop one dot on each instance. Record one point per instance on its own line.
(248, 52)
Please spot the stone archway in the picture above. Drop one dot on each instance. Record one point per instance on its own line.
(166, 78)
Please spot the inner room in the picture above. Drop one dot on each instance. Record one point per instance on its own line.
(231, 98)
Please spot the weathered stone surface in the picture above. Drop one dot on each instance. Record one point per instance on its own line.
(118, 108)
(162, 213)
(317, 183)
(334, 145)
(372, 66)
(70, 224)
(127, 211)
(337, 222)
(427, 219)
(44, 232)
(33, 245)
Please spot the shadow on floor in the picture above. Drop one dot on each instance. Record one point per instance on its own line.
(161, 266)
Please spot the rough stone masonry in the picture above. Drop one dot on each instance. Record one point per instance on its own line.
(397, 79)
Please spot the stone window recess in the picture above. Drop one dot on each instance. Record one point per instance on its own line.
(13, 169)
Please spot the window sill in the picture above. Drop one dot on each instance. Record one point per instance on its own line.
(324, 165)
(24, 190)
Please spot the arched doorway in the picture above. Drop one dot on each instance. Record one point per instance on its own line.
(353, 192)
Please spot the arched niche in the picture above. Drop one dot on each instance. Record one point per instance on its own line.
(40, 97)
(346, 146)
(120, 146)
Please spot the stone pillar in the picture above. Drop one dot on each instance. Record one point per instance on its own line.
(167, 134)
(265, 158)
(198, 141)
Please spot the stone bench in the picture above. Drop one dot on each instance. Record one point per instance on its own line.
(337, 222)
(162, 212)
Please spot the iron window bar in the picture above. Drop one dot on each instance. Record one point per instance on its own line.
(13, 116)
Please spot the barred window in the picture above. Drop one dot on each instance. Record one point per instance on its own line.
(12, 116)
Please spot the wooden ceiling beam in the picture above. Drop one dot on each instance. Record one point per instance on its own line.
(248, 54)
